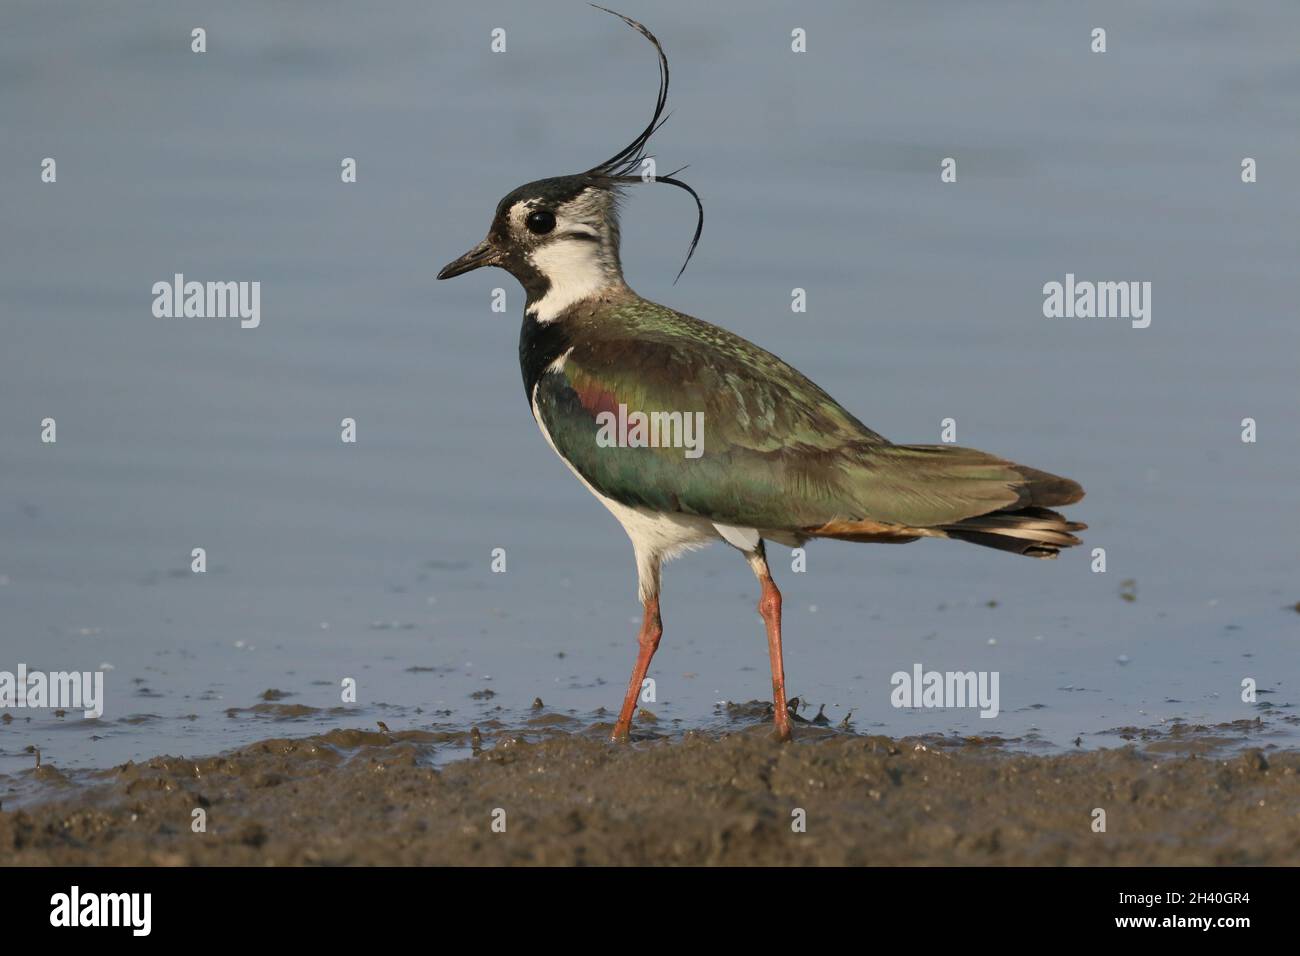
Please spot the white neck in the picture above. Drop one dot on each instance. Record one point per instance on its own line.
(576, 269)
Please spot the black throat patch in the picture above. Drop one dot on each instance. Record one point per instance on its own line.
(540, 344)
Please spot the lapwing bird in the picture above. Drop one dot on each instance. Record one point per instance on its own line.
(690, 434)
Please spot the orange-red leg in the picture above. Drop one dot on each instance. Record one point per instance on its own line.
(648, 642)
(769, 606)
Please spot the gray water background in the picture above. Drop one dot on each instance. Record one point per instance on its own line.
(818, 170)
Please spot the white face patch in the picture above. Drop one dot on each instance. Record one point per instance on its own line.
(576, 272)
(579, 257)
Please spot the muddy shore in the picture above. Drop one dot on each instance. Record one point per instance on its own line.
(553, 794)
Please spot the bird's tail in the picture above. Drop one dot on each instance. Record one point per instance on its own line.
(1034, 532)
(944, 491)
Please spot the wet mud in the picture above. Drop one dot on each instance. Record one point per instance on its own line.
(549, 790)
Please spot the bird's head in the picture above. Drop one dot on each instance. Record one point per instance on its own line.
(559, 237)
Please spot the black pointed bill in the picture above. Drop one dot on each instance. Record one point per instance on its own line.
(481, 255)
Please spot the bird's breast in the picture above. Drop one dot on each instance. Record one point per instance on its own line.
(540, 344)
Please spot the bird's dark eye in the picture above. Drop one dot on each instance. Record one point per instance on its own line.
(540, 221)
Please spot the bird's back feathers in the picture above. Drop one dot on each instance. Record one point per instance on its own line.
(778, 452)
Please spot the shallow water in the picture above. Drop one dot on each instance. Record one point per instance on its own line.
(818, 171)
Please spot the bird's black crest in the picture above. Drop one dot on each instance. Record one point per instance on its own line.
(620, 169)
